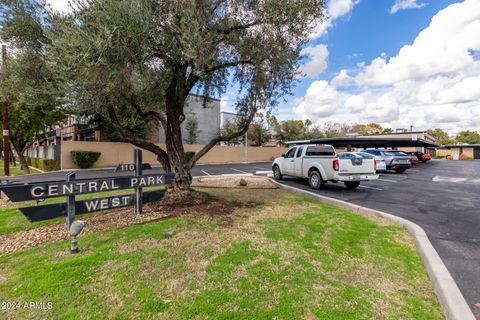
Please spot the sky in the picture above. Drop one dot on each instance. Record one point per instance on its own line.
(399, 63)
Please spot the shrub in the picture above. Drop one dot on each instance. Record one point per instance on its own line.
(463, 156)
(189, 155)
(84, 159)
(48, 164)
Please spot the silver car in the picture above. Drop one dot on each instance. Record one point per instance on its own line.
(394, 160)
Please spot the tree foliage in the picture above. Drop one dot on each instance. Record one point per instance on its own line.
(148, 55)
(467, 136)
(261, 129)
(35, 103)
(442, 137)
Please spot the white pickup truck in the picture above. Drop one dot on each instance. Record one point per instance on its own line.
(320, 164)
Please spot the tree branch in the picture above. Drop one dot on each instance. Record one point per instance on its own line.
(128, 136)
(229, 64)
(221, 138)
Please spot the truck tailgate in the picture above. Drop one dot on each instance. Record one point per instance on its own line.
(357, 165)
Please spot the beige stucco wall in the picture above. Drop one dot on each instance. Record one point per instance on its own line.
(113, 153)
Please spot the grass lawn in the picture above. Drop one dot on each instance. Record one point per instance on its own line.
(15, 171)
(286, 257)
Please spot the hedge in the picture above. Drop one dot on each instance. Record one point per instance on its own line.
(44, 164)
(84, 159)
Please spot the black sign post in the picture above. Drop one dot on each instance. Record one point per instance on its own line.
(70, 187)
(137, 154)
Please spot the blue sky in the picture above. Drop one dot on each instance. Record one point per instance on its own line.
(369, 30)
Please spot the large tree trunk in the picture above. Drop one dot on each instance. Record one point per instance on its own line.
(179, 190)
(21, 157)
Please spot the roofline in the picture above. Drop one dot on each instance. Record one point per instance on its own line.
(461, 145)
(362, 142)
(378, 134)
(203, 96)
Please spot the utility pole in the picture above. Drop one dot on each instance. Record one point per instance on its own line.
(6, 144)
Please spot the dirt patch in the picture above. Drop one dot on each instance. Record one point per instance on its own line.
(114, 219)
(234, 182)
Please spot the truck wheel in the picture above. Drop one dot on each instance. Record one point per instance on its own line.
(277, 174)
(400, 170)
(352, 184)
(315, 180)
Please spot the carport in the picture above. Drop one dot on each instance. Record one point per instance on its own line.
(377, 143)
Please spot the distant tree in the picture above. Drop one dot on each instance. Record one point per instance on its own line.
(290, 130)
(35, 103)
(442, 137)
(335, 129)
(192, 130)
(230, 127)
(370, 128)
(468, 136)
(387, 130)
(260, 130)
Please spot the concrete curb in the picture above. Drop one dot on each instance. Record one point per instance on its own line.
(451, 299)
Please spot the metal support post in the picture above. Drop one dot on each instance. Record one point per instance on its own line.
(137, 154)
(71, 214)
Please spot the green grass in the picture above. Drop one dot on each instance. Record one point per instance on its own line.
(15, 171)
(11, 219)
(287, 258)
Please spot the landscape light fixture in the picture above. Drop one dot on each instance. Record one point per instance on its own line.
(75, 229)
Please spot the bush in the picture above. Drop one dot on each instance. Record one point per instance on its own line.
(84, 159)
(44, 164)
(189, 155)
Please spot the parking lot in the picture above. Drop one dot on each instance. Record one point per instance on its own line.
(440, 196)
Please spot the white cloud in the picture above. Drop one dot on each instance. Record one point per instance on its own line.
(317, 60)
(320, 100)
(334, 10)
(342, 79)
(433, 82)
(406, 4)
(59, 5)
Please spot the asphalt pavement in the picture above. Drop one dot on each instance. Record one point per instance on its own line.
(443, 197)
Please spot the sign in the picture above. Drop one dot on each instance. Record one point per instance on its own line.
(56, 210)
(131, 167)
(34, 191)
(71, 187)
(5, 132)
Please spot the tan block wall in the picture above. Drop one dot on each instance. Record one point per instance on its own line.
(113, 153)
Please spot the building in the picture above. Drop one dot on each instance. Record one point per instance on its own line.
(207, 117)
(462, 151)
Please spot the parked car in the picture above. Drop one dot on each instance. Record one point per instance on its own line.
(395, 160)
(413, 159)
(379, 161)
(424, 157)
(321, 164)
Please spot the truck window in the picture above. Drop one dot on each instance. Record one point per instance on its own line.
(320, 150)
(299, 152)
(291, 153)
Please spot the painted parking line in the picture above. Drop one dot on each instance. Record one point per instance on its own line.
(367, 187)
(263, 172)
(237, 175)
(240, 171)
(261, 168)
(387, 180)
(205, 173)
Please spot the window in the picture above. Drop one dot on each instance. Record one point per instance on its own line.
(320, 150)
(291, 153)
(375, 152)
(346, 155)
(366, 155)
(299, 152)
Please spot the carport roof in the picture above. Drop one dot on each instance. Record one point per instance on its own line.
(461, 145)
(347, 142)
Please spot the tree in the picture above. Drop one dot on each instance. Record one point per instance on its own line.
(387, 130)
(192, 130)
(290, 130)
(442, 137)
(335, 129)
(370, 128)
(260, 130)
(148, 55)
(467, 136)
(35, 103)
(229, 128)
